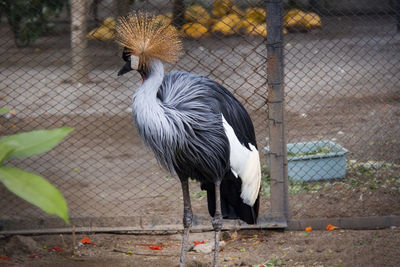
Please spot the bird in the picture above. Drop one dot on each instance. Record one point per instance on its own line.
(195, 127)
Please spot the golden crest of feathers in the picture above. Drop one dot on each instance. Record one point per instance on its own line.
(147, 37)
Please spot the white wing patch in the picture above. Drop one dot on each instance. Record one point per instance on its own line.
(245, 164)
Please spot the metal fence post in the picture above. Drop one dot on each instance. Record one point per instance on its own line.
(277, 139)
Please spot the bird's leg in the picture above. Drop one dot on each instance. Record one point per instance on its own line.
(217, 221)
(187, 219)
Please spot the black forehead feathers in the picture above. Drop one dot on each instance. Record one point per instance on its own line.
(126, 54)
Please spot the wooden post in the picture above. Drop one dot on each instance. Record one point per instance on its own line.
(80, 72)
(277, 139)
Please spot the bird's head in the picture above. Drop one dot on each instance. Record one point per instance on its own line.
(144, 38)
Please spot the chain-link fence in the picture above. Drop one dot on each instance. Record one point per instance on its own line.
(342, 85)
(341, 82)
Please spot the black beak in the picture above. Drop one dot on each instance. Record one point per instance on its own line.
(126, 68)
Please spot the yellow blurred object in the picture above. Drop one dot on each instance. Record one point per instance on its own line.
(109, 23)
(299, 20)
(101, 33)
(236, 10)
(246, 23)
(194, 30)
(292, 22)
(293, 18)
(256, 14)
(252, 18)
(197, 14)
(293, 12)
(227, 25)
(165, 18)
(260, 29)
(221, 8)
(311, 20)
(104, 32)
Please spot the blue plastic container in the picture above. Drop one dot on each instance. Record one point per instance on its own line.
(320, 166)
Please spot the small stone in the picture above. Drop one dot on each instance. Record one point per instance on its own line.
(203, 248)
(19, 244)
(208, 247)
(226, 235)
(300, 249)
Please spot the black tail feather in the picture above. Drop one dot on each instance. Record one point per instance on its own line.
(232, 205)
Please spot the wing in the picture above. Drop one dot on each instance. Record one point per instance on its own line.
(219, 99)
(195, 94)
(190, 105)
(244, 157)
(235, 115)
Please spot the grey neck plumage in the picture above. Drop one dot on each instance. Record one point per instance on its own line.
(148, 90)
(146, 108)
(150, 115)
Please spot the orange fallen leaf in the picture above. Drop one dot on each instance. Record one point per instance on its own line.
(55, 248)
(155, 247)
(330, 227)
(198, 243)
(85, 240)
(308, 229)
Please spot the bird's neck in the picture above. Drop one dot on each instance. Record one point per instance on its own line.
(151, 83)
(147, 108)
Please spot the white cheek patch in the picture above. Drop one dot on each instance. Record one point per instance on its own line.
(134, 62)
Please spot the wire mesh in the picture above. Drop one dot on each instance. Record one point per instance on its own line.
(342, 86)
(341, 82)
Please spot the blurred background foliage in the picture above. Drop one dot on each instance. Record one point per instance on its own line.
(30, 19)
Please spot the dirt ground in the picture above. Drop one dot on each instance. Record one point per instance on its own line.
(243, 248)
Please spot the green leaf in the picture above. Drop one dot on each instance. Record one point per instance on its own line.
(4, 110)
(34, 189)
(35, 142)
(5, 150)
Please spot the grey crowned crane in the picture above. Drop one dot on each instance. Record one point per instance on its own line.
(195, 126)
